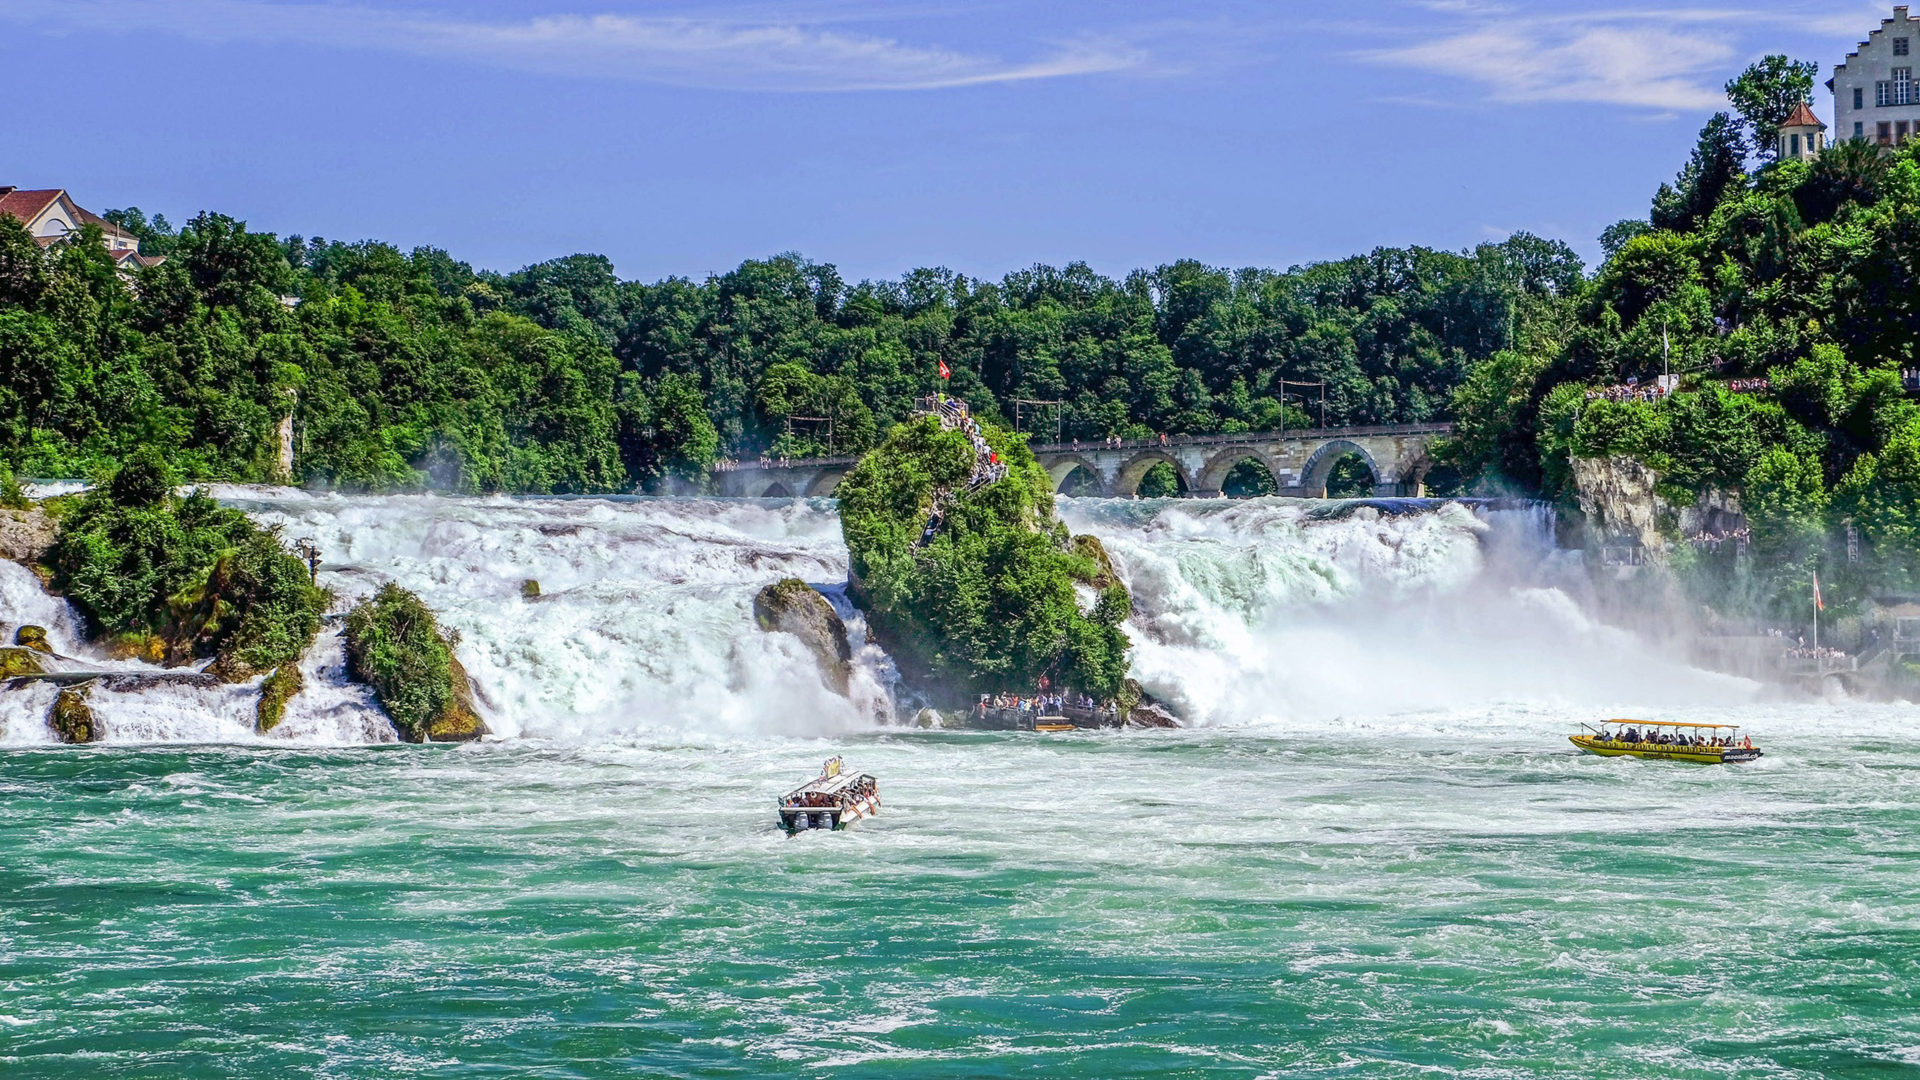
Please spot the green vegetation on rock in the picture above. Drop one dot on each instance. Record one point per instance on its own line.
(32, 637)
(276, 690)
(16, 661)
(989, 602)
(143, 564)
(71, 718)
(396, 646)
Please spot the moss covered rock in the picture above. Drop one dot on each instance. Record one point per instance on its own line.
(71, 718)
(396, 646)
(142, 564)
(16, 661)
(275, 691)
(791, 606)
(33, 637)
(530, 589)
(974, 588)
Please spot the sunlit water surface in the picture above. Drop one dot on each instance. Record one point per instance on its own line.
(1451, 893)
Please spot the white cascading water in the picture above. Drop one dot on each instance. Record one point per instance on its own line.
(1305, 613)
(1264, 611)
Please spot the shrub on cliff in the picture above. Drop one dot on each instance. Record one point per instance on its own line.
(141, 562)
(397, 647)
(989, 602)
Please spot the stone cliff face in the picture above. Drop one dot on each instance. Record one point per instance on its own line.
(1621, 500)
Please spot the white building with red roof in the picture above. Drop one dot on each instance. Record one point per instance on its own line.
(50, 215)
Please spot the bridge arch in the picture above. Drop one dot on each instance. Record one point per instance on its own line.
(773, 489)
(1127, 483)
(1062, 471)
(826, 482)
(1313, 476)
(1213, 475)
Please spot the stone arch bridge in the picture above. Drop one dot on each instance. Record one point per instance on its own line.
(1300, 462)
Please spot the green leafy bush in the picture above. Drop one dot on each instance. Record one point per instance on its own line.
(140, 562)
(397, 647)
(989, 602)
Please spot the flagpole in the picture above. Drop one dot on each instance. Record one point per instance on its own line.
(1816, 611)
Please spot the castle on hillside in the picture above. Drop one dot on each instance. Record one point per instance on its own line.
(1874, 96)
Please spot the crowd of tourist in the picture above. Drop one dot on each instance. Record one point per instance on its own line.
(1712, 540)
(1634, 736)
(852, 793)
(1631, 390)
(1042, 704)
(1747, 386)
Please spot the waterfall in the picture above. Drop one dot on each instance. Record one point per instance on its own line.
(1282, 611)
(1265, 611)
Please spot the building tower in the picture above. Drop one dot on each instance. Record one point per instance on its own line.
(1874, 96)
(1802, 136)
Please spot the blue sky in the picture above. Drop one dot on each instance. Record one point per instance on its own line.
(681, 138)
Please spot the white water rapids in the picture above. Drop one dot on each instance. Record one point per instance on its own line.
(1259, 612)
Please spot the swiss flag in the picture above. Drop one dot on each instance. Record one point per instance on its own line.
(945, 371)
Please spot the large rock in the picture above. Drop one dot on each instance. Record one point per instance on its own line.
(25, 535)
(16, 661)
(793, 607)
(1151, 714)
(71, 718)
(33, 637)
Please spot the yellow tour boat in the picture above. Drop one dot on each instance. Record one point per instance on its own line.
(1703, 744)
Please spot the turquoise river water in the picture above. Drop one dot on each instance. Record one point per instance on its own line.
(1455, 894)
(1373, 854)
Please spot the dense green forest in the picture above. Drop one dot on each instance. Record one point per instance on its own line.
(405, 370)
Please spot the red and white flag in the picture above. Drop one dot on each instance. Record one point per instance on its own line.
(1818, 604)
(945, 372)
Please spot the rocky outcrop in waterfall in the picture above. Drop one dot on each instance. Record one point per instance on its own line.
(396, 646)
(969, 578)
(71, 718)
(791, 606)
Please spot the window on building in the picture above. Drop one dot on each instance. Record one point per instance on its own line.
(1793, 146)
(1859, 97)
(1884, 131)
(1859, 129)
(1903, 86)
(1900, 46)
(1882, 94)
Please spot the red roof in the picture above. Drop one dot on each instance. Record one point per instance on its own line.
(26, 205)
(1803, 117)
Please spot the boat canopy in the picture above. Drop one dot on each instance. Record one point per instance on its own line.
(830, 785)
(1671, 723)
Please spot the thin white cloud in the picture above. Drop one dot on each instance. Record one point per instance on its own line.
(1644, 66)
(720, 53)
(1665, 60)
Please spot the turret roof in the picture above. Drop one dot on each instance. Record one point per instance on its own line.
(1803, 117)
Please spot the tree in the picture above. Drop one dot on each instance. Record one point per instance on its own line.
(1717, 166)
(1765, 94)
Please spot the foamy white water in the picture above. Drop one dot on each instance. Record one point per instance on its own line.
(1275, 612)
